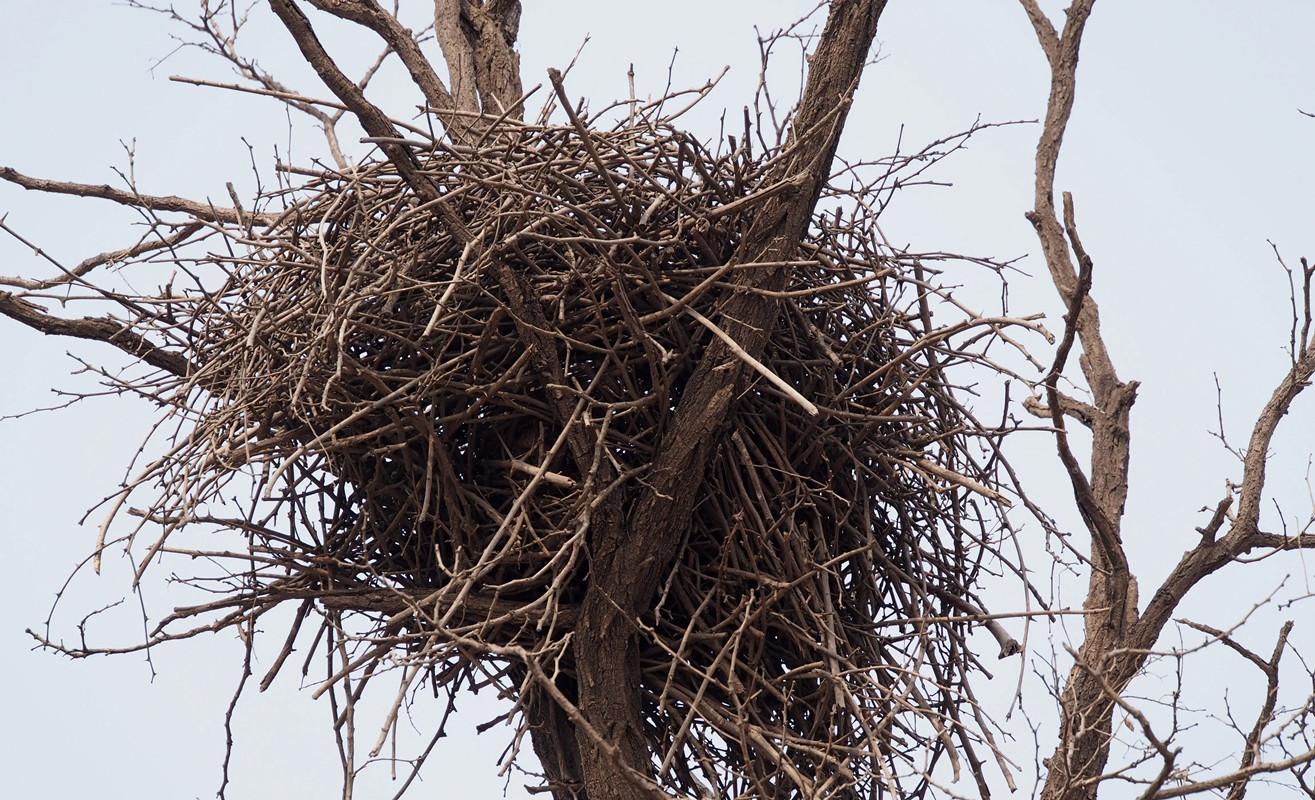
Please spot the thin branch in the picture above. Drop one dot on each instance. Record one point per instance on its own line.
(202, 211)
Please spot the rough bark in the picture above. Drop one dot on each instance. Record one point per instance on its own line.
(1086, 708)
(553, 736)
(626, 562)
(478, 38)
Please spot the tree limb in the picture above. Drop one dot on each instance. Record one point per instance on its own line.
(369, 14)
(626, 564)
(372, 119)
(202, 211)
(101, 329)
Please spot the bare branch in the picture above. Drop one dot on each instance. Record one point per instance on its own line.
(375, 122)
(150, 243)
(369, 14)
(101, 329)
(202, 211)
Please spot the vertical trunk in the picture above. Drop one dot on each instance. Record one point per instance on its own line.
(1103, 667)
(553, 738)
(627, 557)
(478, 38)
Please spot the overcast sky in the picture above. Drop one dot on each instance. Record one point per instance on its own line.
(1186, 154)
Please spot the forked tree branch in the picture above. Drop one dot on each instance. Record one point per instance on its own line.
(369, 14)
(100, 329)
(372, 119)
(1104, 530)
(148, 244)
(1118, 638)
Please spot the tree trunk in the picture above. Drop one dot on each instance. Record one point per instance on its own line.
(627, 560)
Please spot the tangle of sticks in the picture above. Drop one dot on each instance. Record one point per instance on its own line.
(396, 385)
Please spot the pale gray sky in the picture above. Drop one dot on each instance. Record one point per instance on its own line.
(1185, 154)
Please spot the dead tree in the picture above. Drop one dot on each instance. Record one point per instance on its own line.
(661, 437)
(1123, 626)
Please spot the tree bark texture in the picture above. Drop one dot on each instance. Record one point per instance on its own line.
(627, 560)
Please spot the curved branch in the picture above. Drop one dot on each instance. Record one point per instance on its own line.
(369, 14)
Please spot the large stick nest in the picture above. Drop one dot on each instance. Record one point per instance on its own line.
(369, 366)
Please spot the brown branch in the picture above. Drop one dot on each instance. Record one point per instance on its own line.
(1118, 639)
(222, 41)
(1251, 491)
(1275, 541)
(1217, 519)
(1114, 695)
(148, 244)
(1232, 778)
(1104, 530)
(373, 120)
(101, 329)
(475, 608)
(1069, 406)
(202, 211)
(1045, 31)
(369, 14)
(1103, 669)
(1251, 752)
(1243, 534)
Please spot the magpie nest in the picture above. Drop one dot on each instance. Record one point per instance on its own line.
(388, 386)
